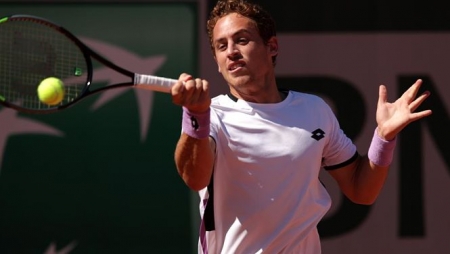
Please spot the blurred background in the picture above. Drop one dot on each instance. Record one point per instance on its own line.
(100, 178)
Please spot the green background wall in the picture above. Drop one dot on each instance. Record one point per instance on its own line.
(102, 179)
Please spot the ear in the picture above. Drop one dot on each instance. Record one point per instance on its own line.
(273, 46)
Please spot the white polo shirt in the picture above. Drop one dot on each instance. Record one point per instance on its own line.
(267, 194)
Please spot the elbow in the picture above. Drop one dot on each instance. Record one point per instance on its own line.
(362, 200)
(195, 186)
(193, 183)
(196, 177)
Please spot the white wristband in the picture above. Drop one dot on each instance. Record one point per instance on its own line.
(381, 152)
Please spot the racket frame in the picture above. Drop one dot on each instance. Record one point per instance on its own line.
(88, 54)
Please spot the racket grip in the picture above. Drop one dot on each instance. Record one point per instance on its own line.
(153, 83)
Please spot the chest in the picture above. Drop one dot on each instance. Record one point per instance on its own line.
(285, 135)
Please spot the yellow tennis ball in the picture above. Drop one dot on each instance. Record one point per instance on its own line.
(51, 91)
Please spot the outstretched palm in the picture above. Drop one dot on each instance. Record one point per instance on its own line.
(393, 117)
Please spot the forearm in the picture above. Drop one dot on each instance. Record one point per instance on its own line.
(362, 180)
(368, 180)
(194, 153)
(194, 159)
(372, 169)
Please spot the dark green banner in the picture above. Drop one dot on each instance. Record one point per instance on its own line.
(99, 177)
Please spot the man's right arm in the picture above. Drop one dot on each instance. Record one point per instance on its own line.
(194, 159)
(194, 153)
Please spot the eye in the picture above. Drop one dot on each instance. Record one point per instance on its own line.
(243, 41)
(221, 47)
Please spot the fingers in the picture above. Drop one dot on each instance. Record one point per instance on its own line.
(178, 88)
(194, 90)
(382, 94)
(418, 115)
(191, 93)
(410, 94)
(418, 101)
(415, 101)
(411, 97)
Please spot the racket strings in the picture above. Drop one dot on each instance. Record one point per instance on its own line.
(30, 51)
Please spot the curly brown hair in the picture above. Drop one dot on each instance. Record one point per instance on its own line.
(263, 20)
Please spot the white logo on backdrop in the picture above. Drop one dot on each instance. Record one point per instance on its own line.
(14, 124)
(52, 248)
(129, 61)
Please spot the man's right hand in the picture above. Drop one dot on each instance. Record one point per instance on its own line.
(191, 93)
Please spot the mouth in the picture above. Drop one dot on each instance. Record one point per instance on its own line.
(235, 66)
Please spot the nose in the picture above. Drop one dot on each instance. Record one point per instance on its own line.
(232, 52)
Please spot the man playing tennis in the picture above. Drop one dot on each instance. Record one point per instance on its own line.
(255, 154)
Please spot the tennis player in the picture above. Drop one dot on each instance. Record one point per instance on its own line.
(254, 154)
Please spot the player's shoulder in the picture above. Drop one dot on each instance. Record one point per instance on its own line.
(222, 100)
(219, 98)
(306, 97)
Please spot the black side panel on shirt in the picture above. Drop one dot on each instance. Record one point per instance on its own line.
(208, 216)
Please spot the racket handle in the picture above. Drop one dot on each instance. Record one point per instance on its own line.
(153, 83)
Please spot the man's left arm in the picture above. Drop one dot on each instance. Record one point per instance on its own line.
(362, 180)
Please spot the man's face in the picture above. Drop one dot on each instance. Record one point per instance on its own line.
(241, 55)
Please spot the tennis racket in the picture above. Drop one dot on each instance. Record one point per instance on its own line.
(33, 48)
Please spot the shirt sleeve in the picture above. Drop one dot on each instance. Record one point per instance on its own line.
(340, 149)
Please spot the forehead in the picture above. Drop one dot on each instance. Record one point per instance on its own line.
(231, 24)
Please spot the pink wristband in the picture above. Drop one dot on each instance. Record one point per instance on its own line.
(196, 125)
(381, 151)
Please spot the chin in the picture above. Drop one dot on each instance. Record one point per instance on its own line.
(239, 81)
